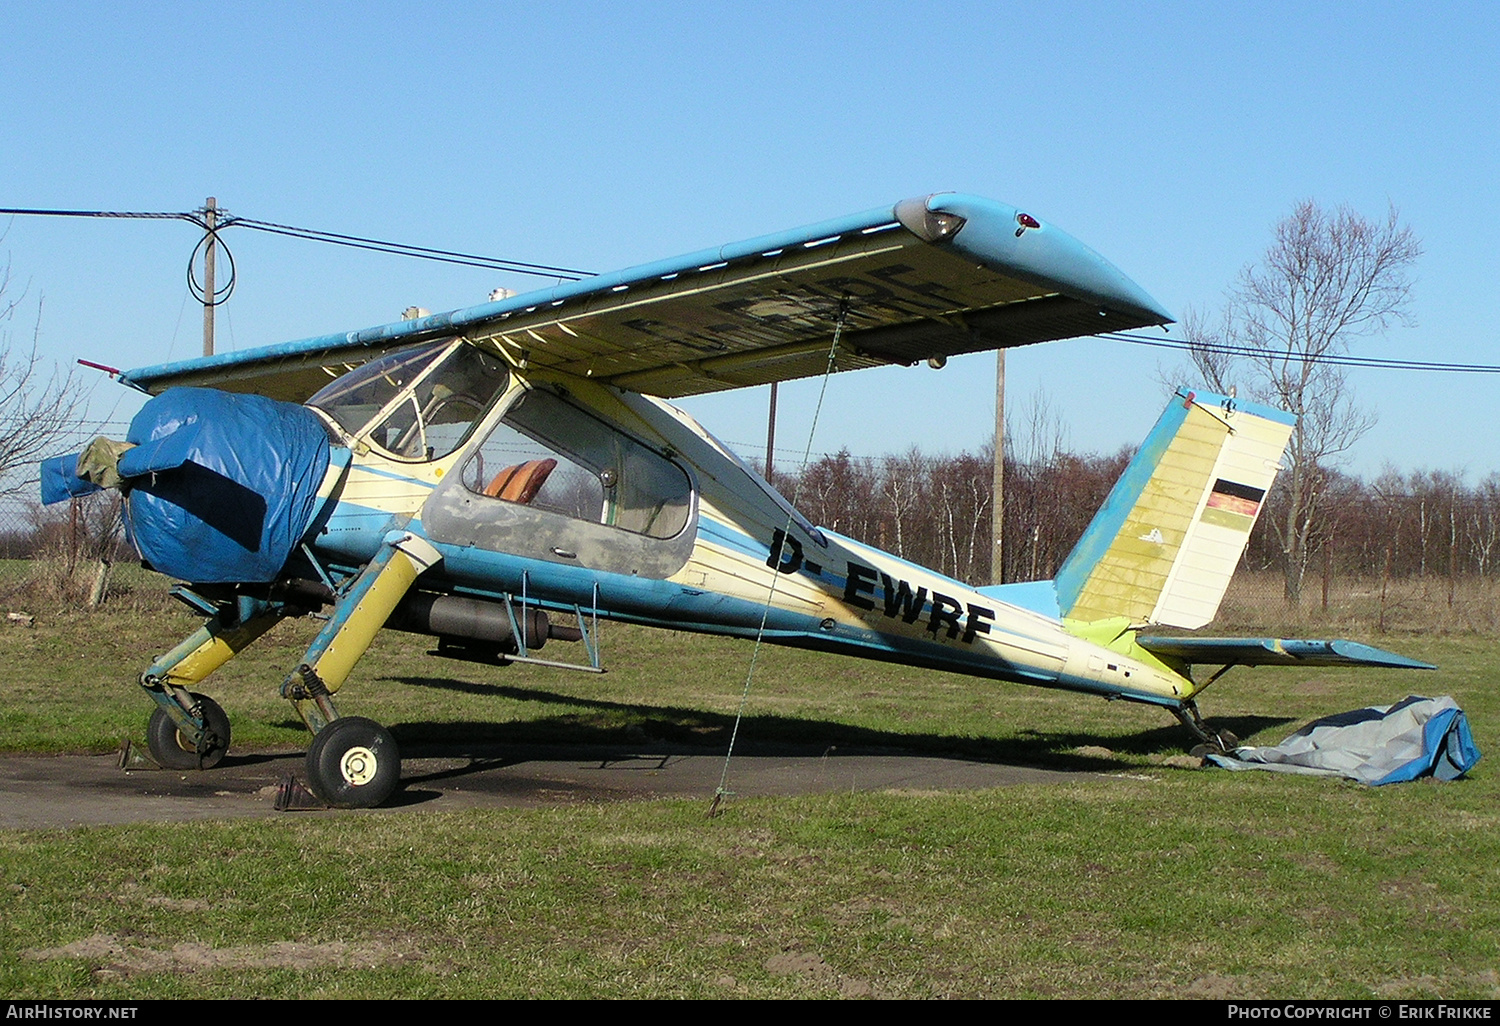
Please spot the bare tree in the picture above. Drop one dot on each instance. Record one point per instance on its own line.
(1216, 366)
(1328, 278)
(1483, 522)
(903, 481)
(38, 406)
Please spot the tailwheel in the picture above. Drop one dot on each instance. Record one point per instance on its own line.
(172, 750)
(353, 763)
(1213, 742)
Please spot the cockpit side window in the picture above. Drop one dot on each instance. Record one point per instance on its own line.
(548, 454)
(417, 404)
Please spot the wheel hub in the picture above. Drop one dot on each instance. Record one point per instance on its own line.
(359, 766)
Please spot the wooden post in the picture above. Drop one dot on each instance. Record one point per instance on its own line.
(1328, 565)
(997, 506)
(211, 214)
(771, 432)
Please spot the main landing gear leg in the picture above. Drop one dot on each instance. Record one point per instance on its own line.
(189, 730)
(353, 762)
(1219, 742)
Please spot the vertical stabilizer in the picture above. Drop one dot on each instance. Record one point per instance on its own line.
(1165, 543)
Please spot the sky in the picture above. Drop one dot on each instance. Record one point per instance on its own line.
(1169, 137)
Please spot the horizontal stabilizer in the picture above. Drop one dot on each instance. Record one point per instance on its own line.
(1275, 652)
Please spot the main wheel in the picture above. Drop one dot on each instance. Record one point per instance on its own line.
(173, 751)
(353, 763)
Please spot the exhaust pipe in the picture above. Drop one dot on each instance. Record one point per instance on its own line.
(470, 619)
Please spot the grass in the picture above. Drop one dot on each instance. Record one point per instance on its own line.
(1149, 881)
(1247, 887)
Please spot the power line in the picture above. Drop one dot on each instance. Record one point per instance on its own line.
(402, 249)
(136, 214)
(226, 220)
(1332, 359)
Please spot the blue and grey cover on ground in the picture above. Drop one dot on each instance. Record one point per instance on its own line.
(1416, 737)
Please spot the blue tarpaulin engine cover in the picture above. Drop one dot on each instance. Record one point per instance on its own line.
(1416, 737)
(222, 486)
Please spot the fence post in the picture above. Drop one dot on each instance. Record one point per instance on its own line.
(1327, 566)
(101, 585)
(1385, 581)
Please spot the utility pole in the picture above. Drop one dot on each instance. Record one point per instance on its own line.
(211, 214)
(997, 507)
(771, 431)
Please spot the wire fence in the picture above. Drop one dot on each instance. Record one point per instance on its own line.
(70, 556)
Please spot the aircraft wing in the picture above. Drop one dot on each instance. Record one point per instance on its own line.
(1275, 652)
(926, 279)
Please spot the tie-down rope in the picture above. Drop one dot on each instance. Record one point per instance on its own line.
(722, 791)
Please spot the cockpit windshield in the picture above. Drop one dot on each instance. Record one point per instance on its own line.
(416, 404)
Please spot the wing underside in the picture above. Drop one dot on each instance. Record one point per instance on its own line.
(927, 279)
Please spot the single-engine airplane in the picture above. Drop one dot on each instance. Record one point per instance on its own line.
(506, 476)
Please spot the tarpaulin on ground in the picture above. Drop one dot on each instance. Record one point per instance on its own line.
(1416, 737)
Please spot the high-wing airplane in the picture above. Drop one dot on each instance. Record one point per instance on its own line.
(506, 476)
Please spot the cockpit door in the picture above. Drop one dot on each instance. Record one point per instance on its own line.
(555, 481)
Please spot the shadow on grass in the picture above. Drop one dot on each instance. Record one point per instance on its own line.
(614, 724)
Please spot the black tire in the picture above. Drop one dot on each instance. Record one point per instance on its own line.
(353, 763)
(173, 751)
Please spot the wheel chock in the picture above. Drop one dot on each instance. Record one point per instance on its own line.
(134, 758)
(292, 795)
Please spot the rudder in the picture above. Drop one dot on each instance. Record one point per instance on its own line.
(1164, 545)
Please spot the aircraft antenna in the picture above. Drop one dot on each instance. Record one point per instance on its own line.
(722, 791)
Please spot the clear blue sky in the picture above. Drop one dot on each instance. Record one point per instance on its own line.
(1168, 136)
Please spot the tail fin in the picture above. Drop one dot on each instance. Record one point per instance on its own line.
(1164, 545)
